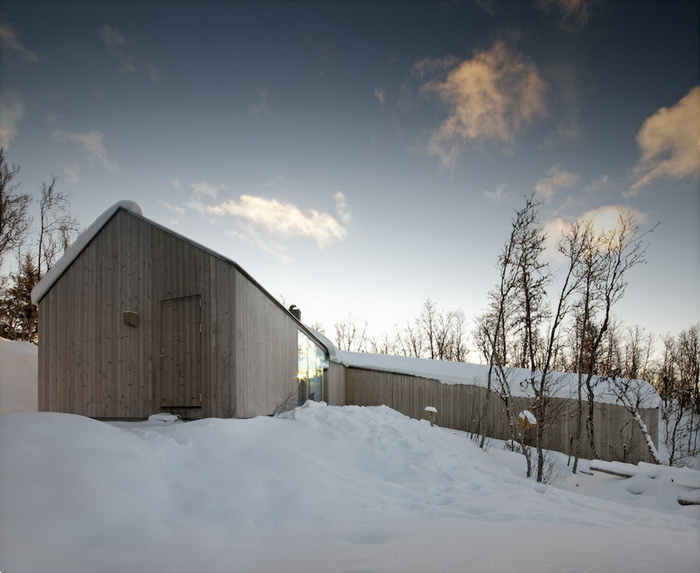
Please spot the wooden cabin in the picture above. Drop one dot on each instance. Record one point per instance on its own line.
(136, 319)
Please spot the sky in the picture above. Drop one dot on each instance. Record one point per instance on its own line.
(358, 158)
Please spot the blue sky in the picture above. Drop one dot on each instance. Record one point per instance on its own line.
(359, 157)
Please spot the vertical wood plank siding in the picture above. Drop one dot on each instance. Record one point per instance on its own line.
(93, 364)
(459, 405)
(266, 351)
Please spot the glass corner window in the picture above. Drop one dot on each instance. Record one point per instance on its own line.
(312, 370)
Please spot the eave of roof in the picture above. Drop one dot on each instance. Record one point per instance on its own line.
(78, 246)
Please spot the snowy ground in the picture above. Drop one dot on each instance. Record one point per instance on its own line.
(326, 489)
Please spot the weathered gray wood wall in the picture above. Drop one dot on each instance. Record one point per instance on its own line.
(336, 385)
(459, 407)
(93, 364)
(266, 350)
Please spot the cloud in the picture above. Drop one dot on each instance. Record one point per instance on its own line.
(11, 113)
(261, 103)
(130, 61)
(280, 219)
(71, 172)
(91, 142)
(491, 97)
(12, 48)
(208, 189)
(574, 14)
(175, 182)
(342, 207)
(555, 180)
(604, 220)
(496, 195)
(172, 208)
(670, 144)
(380, 95)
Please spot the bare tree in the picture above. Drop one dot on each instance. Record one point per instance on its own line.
(15, 220)
(678, 383)
(634, 395)
(57, 226)
(604, 261)
(410, 341)
(349, 336)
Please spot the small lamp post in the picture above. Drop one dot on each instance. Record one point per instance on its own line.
(432, 413)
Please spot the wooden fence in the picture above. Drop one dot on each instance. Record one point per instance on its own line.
(459, 406)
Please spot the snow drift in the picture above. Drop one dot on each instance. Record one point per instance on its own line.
(321, 489)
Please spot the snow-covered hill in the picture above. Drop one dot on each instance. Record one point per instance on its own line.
(323, 489)
(18, 376)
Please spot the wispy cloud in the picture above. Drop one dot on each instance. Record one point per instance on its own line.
(91, 143)
(130, 60)
(71, 172)
(11, 113)
(573, 14)
(497, 195)
(380, 95)
(13, 50)
(490, 97)
(175, 182)
(208, 189)
(172, 208)
(554, 181)
(261, 104)
(342, 207)
(670, 144)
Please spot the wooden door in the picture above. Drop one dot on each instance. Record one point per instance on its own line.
(180, 369)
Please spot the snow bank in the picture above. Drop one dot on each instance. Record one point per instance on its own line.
(18, 376)
(321, 489)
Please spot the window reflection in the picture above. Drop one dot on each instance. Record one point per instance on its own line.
(312, 370)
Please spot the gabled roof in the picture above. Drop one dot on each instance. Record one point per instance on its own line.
(86, 237)
(80, 244)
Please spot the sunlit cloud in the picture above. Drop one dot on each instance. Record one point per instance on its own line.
(491, 97)
(13, 50)
(262, 102)
(670, 144)
(604, 219)
(554, 181)
(11, 113)
(91, 143)
(280, 219)
(573, 14)
(130, 60)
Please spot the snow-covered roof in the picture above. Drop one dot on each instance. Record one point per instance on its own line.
(449, 372)
(72, 252)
